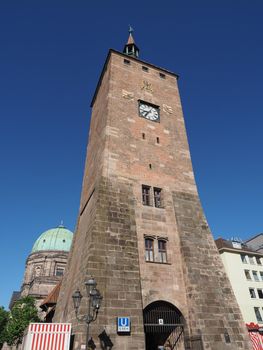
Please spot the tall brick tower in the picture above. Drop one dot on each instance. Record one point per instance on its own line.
(141, 230)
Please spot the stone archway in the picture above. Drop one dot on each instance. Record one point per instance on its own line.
(163, 326)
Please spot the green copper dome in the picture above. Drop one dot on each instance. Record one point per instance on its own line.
(58, 238)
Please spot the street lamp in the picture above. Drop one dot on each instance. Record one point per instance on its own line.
(94, 298)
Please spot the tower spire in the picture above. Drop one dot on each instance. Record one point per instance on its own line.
(131, 48)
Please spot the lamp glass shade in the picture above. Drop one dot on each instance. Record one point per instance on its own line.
(96, 299)
(90, 283)
(76, 299)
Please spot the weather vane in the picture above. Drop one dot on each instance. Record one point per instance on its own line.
(130, 29)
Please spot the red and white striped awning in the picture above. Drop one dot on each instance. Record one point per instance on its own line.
(48, 336)
(256, 337)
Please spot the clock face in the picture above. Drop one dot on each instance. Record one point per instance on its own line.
(148, 111)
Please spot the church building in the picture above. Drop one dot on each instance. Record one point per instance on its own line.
(141, 230)
(46, 263)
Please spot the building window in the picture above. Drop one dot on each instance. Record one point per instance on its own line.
(126, 61)
(261, 275)
(252, 293)
(148, 249)
(258, 260)
(243, 258)
(157, 197)
(251, 260)
(145, 69)
(59, 271)
(146, 195)
(257, 313)
(260, 293)
(157, 139)
(247, 274)
(162, 251)
(162, 75)
(143, 136)
(255, 275)
(37, 271)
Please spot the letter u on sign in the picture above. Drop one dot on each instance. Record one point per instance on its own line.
(123, 324)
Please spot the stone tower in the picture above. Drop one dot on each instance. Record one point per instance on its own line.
(141, 230)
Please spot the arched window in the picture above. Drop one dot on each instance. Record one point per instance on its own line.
(162, 250)
(148, 249)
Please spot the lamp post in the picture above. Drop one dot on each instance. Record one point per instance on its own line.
(94, 299)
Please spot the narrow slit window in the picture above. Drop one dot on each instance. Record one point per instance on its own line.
(157, 140)
(143, 136)
(150, 166)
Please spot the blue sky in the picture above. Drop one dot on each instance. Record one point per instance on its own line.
(51, 55)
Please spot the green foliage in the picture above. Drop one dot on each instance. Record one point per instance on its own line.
(4, 316)
(23, 312)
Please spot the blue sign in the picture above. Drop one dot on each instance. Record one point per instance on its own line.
(123, 324)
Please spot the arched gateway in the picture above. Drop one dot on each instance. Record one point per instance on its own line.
(163, 326)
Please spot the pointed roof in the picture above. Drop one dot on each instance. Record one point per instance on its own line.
(131, 48)
(130, 40)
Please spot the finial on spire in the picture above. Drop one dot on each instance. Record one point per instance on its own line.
(61, 224)
(130, 48)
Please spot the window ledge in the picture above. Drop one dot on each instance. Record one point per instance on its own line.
(152, 206)
(158, 262)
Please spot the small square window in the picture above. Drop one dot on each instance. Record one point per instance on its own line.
(243, 258)
(252, 293)
(125, 61)
(257, 313)
(162, 75)
(247, 274)
(258, 260)
(145, 69)
(251, 260)
(59, 271)
(255, 275)
(260, 293)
